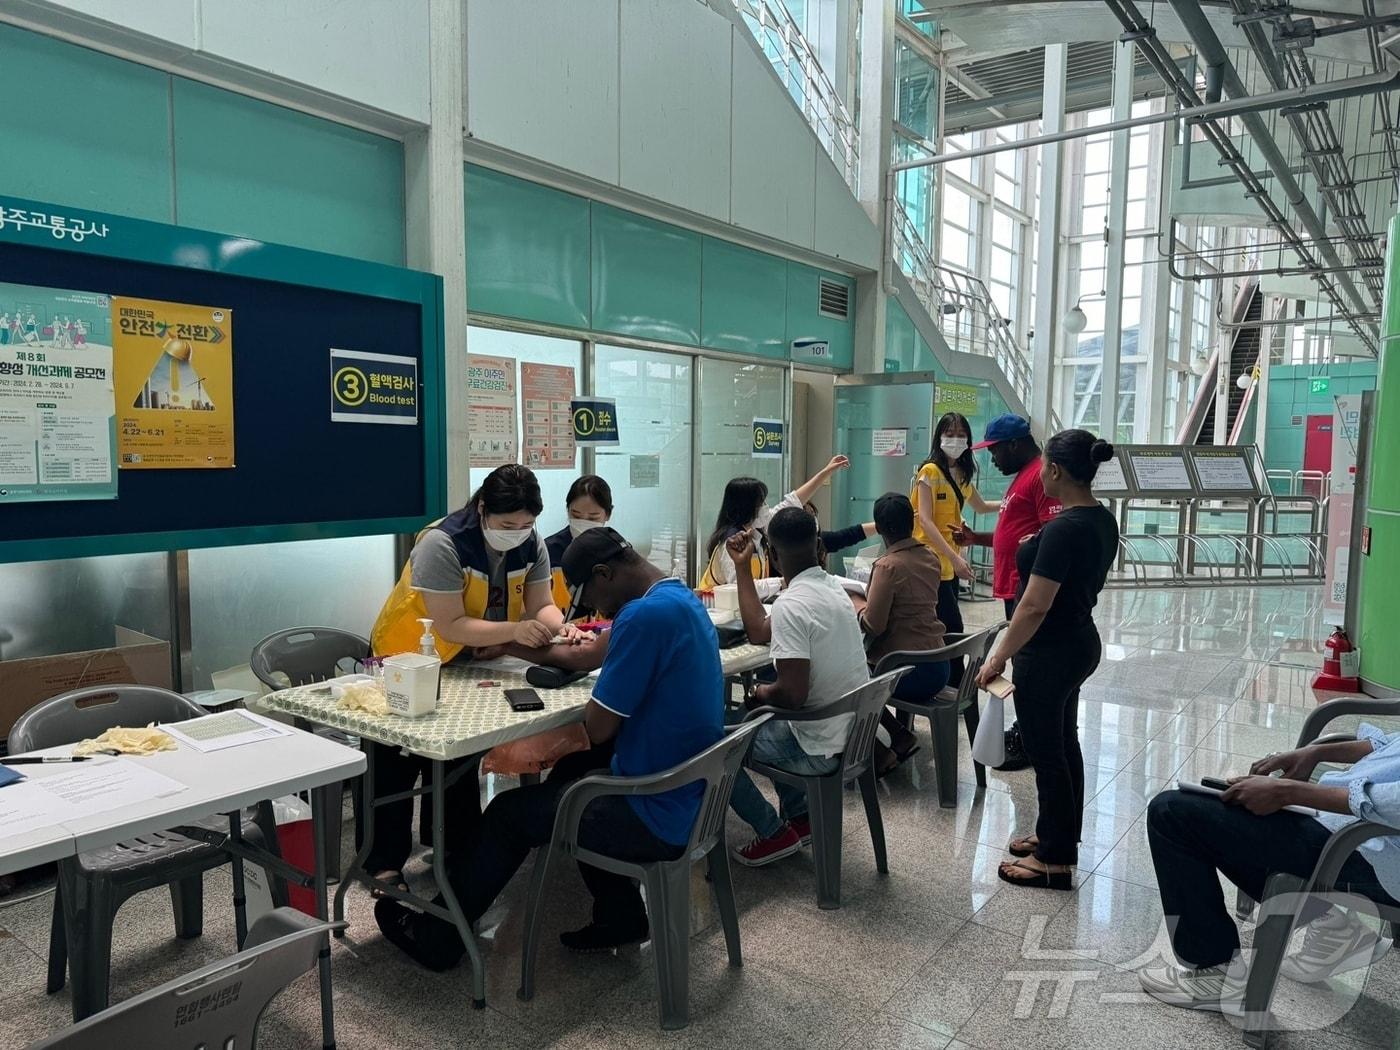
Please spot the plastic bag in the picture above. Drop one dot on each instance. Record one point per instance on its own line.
(535, 754)
(989, 745)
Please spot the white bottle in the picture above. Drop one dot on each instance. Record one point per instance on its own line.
(678, 569)
(426, 645)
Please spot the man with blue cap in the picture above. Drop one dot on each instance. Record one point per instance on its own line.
(1024, 509)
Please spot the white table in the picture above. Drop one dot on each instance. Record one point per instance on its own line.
(215, 782)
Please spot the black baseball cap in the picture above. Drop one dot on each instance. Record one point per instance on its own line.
(594, 547)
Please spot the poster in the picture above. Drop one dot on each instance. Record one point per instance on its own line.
(174, 380)
(954, 397)
(491, 410)
(1163, 471)
(891, 443)
(595, 421)
(57, 410)
(373, 388)
(767, 439)
(1222, 470)
(546, 395)
(644, 472)
(1346, 435)
(1109, 477)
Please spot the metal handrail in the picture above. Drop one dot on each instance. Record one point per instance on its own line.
(802, 74)
(959, 304)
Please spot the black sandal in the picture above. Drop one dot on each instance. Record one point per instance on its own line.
(1027, 850)
(1045, 880)
(388, 875)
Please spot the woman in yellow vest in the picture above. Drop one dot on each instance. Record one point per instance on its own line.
(942, 487)
(482, 575)
(745, 506)
(589, 505)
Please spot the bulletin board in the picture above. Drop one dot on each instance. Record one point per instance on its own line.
(293, 471)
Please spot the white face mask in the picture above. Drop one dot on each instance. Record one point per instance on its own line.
(502, 540)
(762, 518)
(578, 526)
(953, 447)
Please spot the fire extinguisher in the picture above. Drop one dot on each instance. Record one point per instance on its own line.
(1341, 665)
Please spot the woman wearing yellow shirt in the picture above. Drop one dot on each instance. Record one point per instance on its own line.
(940, 490)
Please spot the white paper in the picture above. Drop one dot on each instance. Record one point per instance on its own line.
(1219, 472)
(101, 785)
(1110, 477)
(26, 807)
(1161, 472)
(225, 729)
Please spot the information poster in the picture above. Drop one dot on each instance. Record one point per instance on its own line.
(767, 439)
(1346, 435)
(546, 397)
(174, 382)
(891, 443)
(491, 410)
(595, 421)
(955, 397)
(57, 408)
(1160, 471)
(373, 388)
(1222, 470)
(644, 472)
(1110, 477)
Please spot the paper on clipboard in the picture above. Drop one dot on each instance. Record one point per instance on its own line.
(224, 730)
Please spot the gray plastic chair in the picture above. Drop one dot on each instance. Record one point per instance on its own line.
(942, 710)
(824, 792)
(1284, 894)
(216, 1006)
(94, 885)
(304, 656)
(667, 882)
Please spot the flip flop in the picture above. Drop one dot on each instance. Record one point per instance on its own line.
(388, 875)
(1023, 847)
(1047, 880)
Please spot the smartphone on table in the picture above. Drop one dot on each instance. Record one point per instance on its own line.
(524, 700)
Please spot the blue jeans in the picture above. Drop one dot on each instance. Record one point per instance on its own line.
(775, 745)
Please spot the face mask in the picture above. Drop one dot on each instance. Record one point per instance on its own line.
(578, 526)
(953, 447)
(502, 540)
(762, 518)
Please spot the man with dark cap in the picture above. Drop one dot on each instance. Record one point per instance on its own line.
(658, 701)
(1024, 510)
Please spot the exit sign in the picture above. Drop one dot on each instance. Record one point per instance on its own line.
(1320, 384)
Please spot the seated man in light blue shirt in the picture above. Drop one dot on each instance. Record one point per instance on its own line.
(1248, 835)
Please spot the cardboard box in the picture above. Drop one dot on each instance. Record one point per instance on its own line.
(135, 659)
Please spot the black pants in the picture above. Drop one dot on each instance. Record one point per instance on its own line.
(1193, 836)
(393, 824)
(1047, 679)
(517, 821)
(951, 617)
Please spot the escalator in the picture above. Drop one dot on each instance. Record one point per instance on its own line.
(1199, 428)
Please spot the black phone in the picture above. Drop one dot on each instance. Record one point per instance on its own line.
(1215, 782)
(524, 700)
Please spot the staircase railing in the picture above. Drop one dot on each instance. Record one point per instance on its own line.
(960, 305)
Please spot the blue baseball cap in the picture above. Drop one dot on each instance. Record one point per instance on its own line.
(1006, 427)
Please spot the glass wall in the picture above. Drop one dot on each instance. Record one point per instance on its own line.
(649, 472)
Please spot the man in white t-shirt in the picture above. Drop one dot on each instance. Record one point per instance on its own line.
(819, 656)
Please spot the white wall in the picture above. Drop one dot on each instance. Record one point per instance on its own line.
(666, 99)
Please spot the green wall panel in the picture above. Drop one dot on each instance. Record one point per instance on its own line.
(900, 338)
(804, 320)
(527, 250)
(83, 128)
(744, 300)
(252, 169)
(646, 277)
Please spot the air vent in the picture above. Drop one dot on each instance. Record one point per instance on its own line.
(834, 299)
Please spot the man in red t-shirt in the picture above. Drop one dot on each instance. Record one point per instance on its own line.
(1024, 510)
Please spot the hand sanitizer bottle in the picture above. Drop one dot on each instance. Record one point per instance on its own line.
(426, 645)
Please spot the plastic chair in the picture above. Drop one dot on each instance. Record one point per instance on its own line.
(1285, 894)
(667, 882)
(218, 1005)
(942, 710)
(824, 792)
(304, 656)
(94, 885)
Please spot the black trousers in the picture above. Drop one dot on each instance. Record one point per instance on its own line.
(1194, 836)
(518, 820)
(393, 824)
(951, 616)
(1047, 679)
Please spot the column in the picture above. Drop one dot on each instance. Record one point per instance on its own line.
(1049, 212)
(1379, 608)
(1159, 350)
(876, 136)
(1115, 255)
(437, 228)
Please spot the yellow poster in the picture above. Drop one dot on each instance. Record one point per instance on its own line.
(173, 367)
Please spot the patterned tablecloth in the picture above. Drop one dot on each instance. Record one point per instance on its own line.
(470, 717)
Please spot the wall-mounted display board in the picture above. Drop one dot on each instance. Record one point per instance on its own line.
(164, 388)
(1224, 471)
(1111, 481)
(1160, 471)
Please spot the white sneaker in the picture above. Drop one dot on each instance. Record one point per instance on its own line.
(1210, 988)
(1334, 944)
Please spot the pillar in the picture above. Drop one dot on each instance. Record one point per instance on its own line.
(876, 141)
(1049, 209)
(1378, 610)
(1116, 253)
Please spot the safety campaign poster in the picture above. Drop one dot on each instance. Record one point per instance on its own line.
(57, 421)
(174, 389)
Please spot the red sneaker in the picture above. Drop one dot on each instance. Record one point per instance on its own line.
(765, 851)
(803, 826)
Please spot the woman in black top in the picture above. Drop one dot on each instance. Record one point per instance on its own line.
(1056, 647)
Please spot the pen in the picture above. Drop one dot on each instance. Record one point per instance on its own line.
(40, 760)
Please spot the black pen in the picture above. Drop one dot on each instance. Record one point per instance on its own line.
(39, 760)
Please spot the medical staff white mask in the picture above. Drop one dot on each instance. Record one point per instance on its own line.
(953, 447)
(578, 526)
(502, 540)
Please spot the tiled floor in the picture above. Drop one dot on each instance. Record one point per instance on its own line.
(937, 954)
